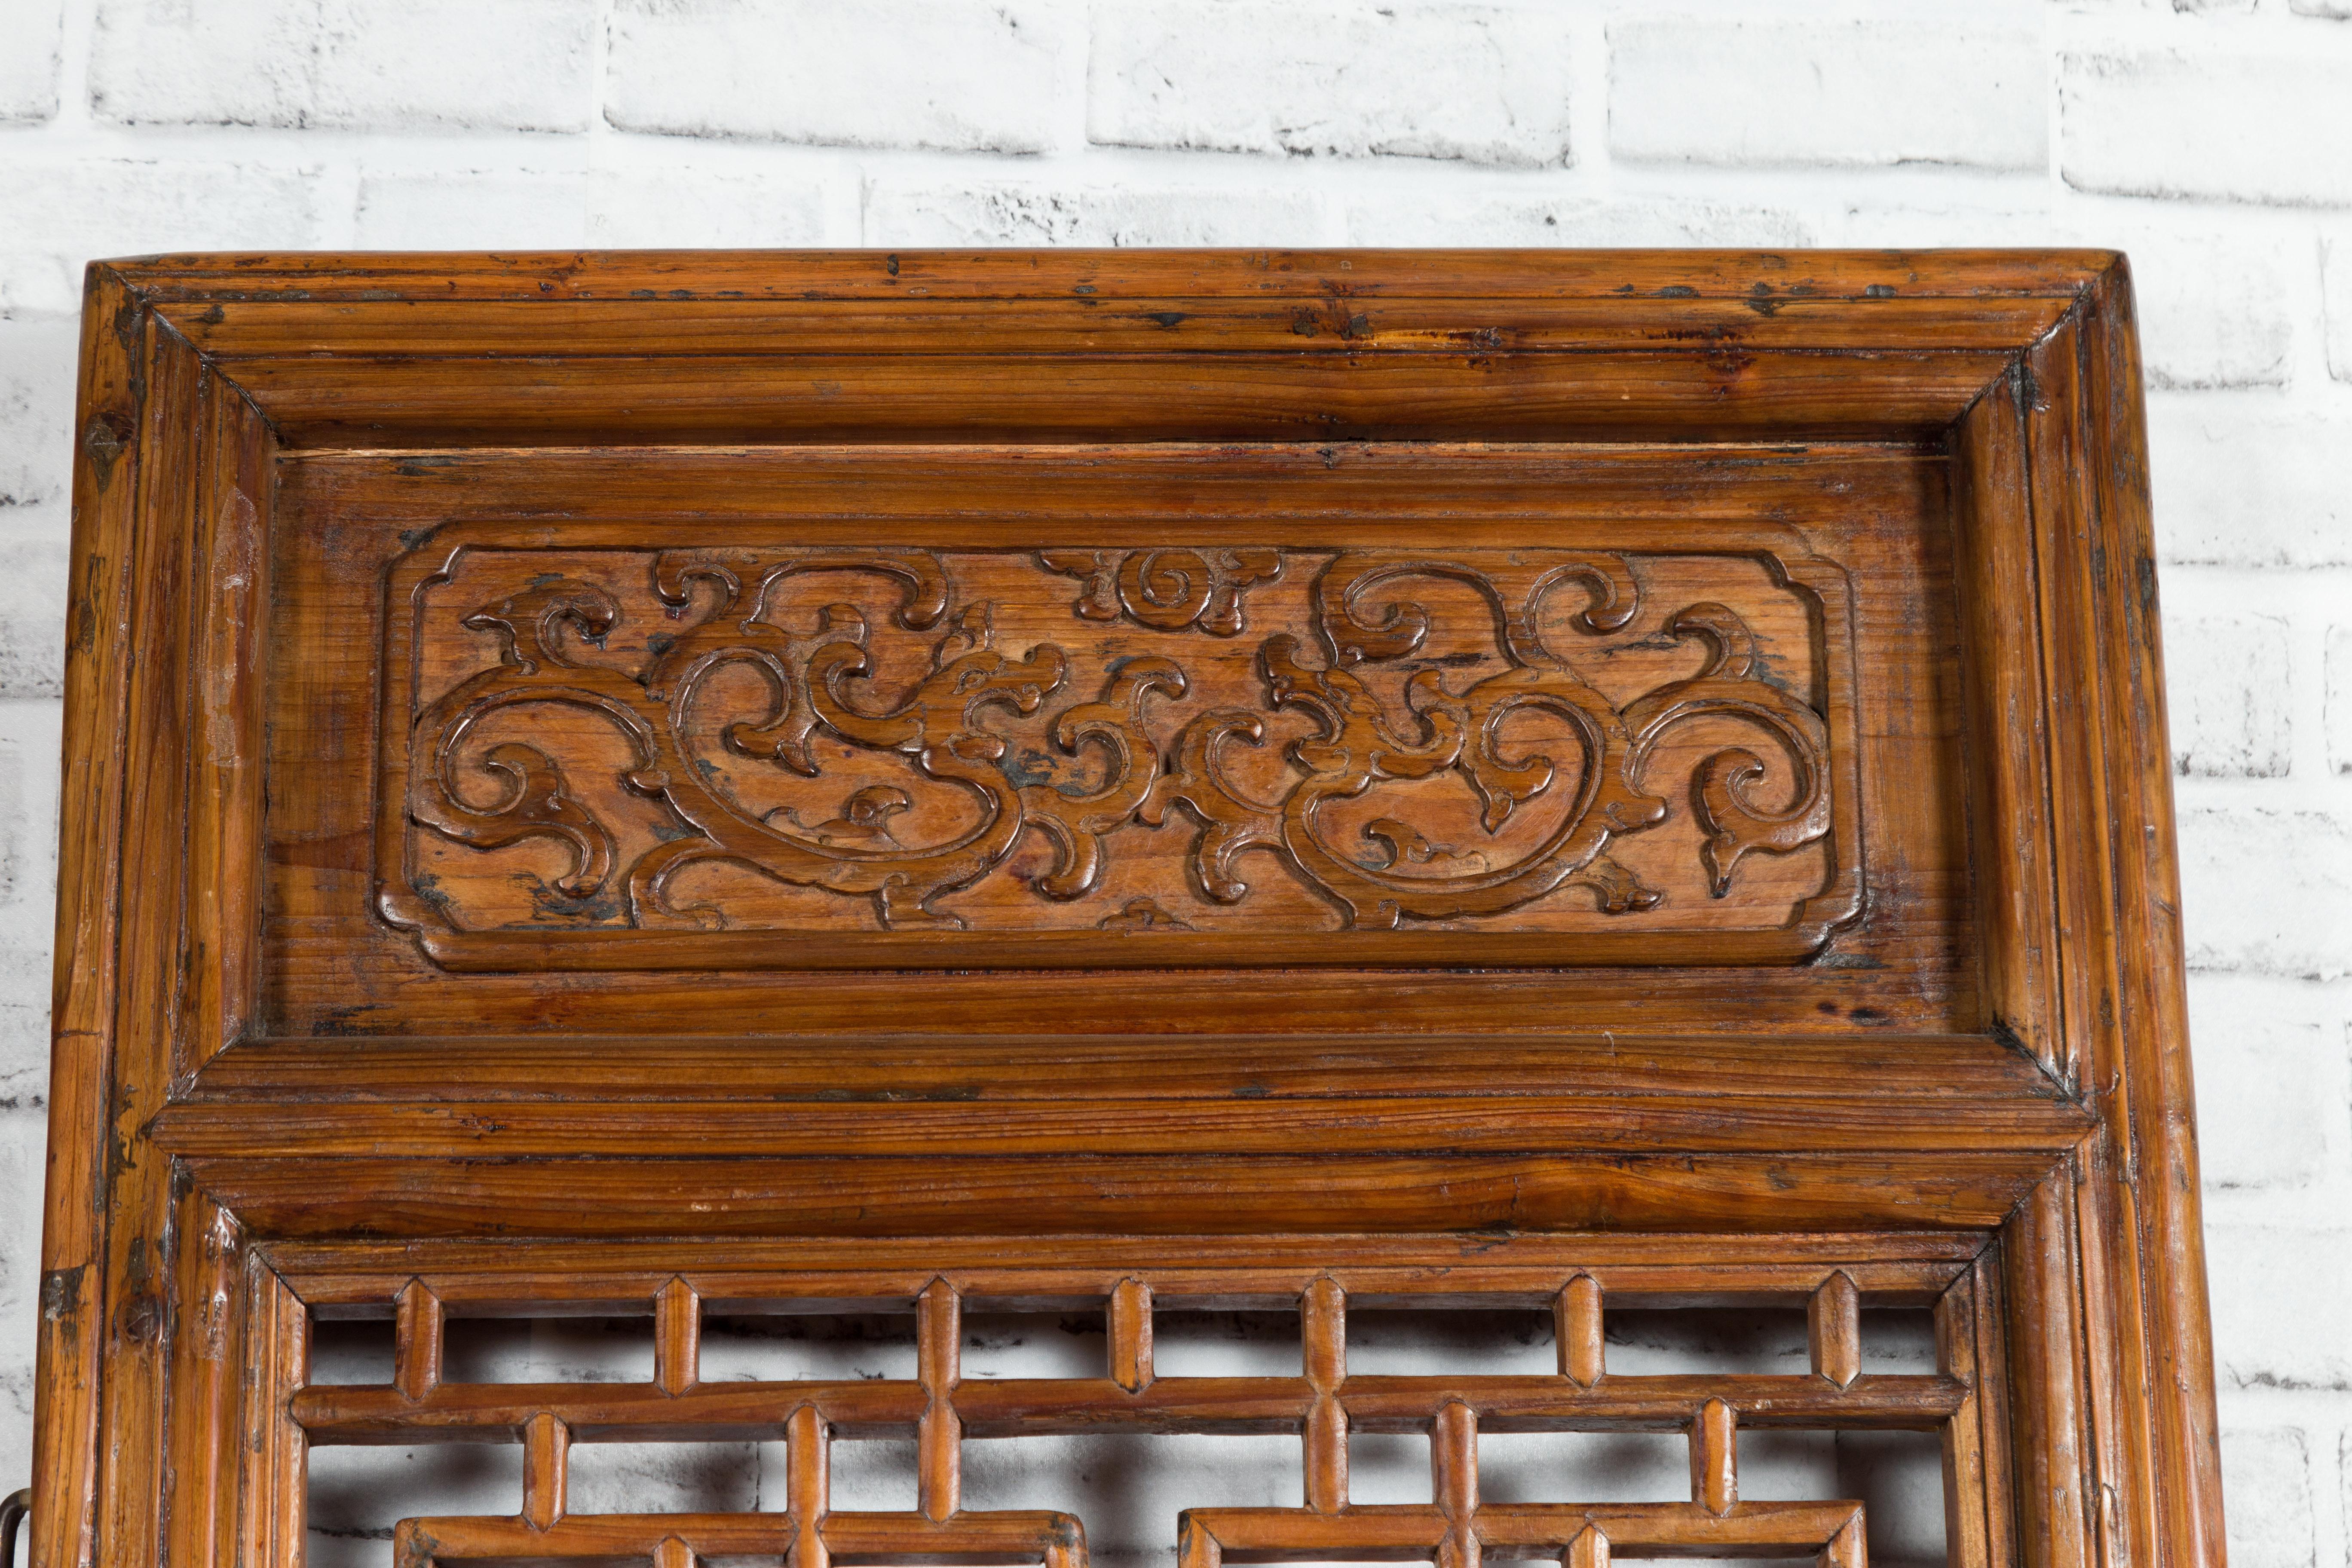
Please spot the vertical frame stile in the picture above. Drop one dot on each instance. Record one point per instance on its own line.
(208, 1356)
(2071, 562)
(1989, 1312)
(2062, 496)
(2045, 1347)
(2007, 742)
(271, 1506)
(2168, 1340)
(109, 460)
(2114, 1454)
(1967, 1529)
(229, 601)
(139, 1307)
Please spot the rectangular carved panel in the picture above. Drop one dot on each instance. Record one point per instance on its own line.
(615, 748)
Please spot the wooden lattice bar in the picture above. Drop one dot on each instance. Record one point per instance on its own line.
(1898, 1269)
(677, 1338)
(1402, 1534)
(1834, 1329)
(1576, 1329)
(1322, 1405)
(679, 1540)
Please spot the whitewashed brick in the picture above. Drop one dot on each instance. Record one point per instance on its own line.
(33, 575)
(2211, 122)
(2335, 10)
(1042, 214)
(626, 1477)
(355, 1493)
(21, 1164)
(25, 978)
(17, 848)
(2228, 686)
(30, 31)
(1407, 218)
(1479, 83)
(29, 735)
(962, 75)
(37, 356)
(56, 215)
(2250, 481)
(2267, 890)
(2217, 308)
(2278, 1294)
(659, 208)
(472, 210)
(391, 65)
(2339, 698)
(2337, 305)
(2266, 1475)
(649, 207)
(2270, 1086)
(1829, 91)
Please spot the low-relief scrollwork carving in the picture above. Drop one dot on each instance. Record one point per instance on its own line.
(1381, 719)
(1168, 590)
(1358, 745)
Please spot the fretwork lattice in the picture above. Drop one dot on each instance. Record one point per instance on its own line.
(1322, 1406)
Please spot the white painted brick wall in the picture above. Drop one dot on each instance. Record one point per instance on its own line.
(2231, 697)
(356, 65)
(927, 73)
(28, 65)
(2210, 138)
(2210, 117)
(1333, 79)
(1828, 90)
(2339, 698)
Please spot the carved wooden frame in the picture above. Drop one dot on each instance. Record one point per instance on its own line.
(211, 1184)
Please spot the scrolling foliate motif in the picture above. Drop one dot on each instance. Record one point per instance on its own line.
(617, 743)
(812, 686)
(1170, 589)
(1359, 742)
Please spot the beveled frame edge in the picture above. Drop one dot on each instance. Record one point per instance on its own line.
(2053, 440)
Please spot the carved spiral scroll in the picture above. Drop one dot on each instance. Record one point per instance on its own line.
(1114, 761)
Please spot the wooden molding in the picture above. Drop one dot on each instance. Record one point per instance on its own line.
(691, 778)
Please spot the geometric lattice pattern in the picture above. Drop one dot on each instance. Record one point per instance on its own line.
(1322, 1405)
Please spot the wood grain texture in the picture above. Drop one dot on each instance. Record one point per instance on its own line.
(1100, 767)
(1118, 782)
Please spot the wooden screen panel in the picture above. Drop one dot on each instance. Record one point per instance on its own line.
(1621, 871)
(798, 755)
(942, 1412)
(1099, 781)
